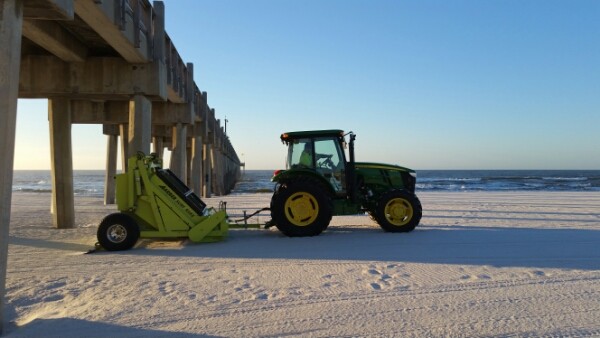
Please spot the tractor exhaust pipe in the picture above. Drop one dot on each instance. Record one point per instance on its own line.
(351, 170)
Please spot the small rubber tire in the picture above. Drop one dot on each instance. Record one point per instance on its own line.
(301, 208)
(398, 211)
(118, 232)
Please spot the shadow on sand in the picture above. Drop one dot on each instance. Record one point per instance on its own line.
(70, 327)
(461, 245)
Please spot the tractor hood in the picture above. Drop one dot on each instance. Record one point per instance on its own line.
(383, 166)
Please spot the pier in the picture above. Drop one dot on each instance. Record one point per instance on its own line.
(107, 62)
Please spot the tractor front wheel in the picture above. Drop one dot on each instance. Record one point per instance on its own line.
(118, 232)
(301, 209)
(398, 211)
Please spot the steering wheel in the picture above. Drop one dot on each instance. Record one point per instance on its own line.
(326, 163)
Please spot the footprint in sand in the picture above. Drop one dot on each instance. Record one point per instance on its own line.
(382, 278)
(538, 273)
(375, 286)
(262, 296)
(478, 277)
(374, 272)
(243, 287)
(166, 288)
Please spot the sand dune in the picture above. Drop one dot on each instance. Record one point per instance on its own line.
(480, 264)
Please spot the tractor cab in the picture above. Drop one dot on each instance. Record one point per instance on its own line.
(319, 152)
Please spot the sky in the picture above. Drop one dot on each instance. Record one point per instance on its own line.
(496, 84)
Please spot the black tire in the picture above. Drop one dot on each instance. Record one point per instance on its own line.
(398, 211)
(301, 208)
(118, 232)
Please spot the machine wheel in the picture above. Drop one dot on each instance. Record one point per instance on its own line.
(301, 208)
(398, 211)
(118, 232)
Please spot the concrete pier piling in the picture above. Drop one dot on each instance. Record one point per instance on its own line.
(61, 156)
(11, 19)
(111, 169)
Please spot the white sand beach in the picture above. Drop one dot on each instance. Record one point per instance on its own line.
(480, 264)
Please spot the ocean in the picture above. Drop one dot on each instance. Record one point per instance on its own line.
(91, 182)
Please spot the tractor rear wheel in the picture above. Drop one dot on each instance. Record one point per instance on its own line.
(118, 232)
(301, 208)
(398, 211)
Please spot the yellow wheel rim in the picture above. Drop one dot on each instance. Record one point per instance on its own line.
(398, 211)
(301, 209)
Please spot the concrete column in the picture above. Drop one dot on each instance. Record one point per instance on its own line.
(196, 178)
(217, 171)
(223, 166)
(61, 156)
(214, 159)
(226, 175)
(140, 125)
(159, 31)
(11, 24)
(158, 146)
(222, 172)
(206, 158)
(229, 175)
(179, 153)
(111, 169)
(188, 163)
(124, 137)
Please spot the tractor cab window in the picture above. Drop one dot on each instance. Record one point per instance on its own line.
(328, 154)
(297, 156)
(329, 162)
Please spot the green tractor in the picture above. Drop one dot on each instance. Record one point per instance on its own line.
(320, 182)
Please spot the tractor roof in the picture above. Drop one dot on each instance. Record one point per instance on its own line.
(311, 133)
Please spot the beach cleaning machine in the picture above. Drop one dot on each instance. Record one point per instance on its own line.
(154, 203)
(318, 183)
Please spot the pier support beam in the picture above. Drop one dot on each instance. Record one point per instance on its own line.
(158, 146)
(206, 159)
(179, 153)
(124, 138)
(140, 125)
(61, 156)
(11, 23)
(196, 178)
(219, 177)
(111, 169)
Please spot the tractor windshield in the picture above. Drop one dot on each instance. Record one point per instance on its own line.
(330, 149)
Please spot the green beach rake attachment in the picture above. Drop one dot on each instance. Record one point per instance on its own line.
(154, 203)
